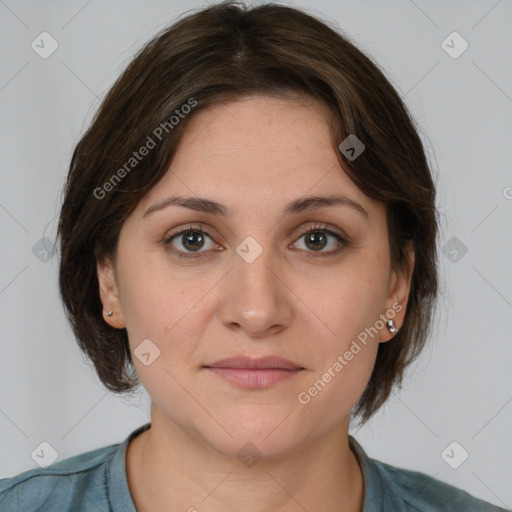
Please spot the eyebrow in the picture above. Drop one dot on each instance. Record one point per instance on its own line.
(204, 205)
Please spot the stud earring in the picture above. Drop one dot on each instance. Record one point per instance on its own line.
(391, 326)
(109, 313)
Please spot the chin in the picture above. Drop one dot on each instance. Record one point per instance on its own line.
(258, 434)
(252, 447)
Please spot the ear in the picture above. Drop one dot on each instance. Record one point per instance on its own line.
(398, 294)
(109, 294)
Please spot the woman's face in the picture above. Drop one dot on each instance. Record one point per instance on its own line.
(252, 282)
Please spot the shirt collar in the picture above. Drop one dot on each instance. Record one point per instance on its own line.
(119, 491)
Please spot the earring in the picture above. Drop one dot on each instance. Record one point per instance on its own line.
(391, 326)
(109, 313)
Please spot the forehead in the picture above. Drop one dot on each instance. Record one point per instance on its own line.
(275, 130)
(258, 148)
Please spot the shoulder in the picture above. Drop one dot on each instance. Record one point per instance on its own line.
(394, 489)
(421, 492)
(76, 483)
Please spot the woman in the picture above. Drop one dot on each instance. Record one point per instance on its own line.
(248, 230)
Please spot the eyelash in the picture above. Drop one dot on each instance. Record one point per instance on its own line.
(167, 241)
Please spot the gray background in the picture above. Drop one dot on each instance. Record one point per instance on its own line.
(460, 390)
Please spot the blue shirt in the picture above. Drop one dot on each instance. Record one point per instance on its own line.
(96, 481)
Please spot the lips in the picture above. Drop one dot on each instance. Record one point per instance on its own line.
(254, 372)
(255, 363)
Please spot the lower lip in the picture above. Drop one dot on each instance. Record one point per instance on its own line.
(254, 378)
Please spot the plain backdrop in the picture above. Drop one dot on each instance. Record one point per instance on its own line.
(461, 388)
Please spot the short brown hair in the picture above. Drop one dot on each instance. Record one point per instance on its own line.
(216, 55)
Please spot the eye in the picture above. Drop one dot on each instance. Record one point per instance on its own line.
(317, 238)
(188, 243)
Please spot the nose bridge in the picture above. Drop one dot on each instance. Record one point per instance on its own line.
(252, 265)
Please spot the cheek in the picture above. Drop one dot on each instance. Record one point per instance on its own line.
(161, 310)
(171, 311)
(345, 333)
(344, 358)
(153, 298)
(345, 301)
(165, 307)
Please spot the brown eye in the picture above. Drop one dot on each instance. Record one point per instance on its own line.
(316, 240)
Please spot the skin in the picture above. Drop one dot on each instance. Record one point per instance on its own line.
(253, 155)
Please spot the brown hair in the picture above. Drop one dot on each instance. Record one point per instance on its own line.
(216, 55)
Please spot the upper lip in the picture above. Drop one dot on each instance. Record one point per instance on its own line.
(259, 363)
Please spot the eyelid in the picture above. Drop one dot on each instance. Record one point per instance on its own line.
(324, 227)
(206, 230)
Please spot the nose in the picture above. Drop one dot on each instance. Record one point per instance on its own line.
(257, 298)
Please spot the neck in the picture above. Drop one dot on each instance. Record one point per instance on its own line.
(170, 468)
